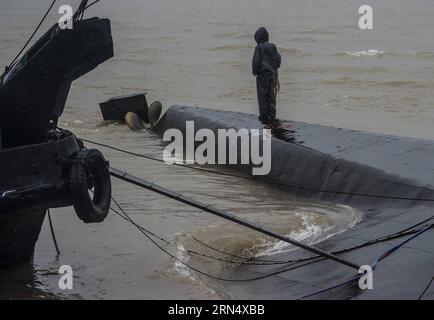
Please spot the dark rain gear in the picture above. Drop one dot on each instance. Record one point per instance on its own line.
(266, 61)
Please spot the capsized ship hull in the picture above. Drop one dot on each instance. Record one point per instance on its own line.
(399, 174)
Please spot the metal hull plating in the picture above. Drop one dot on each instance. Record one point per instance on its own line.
(387, 178)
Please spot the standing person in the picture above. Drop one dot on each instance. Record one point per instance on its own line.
(266, 61)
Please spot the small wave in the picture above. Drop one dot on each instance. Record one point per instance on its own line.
(416, 54)
(317, 31)
(181, 269)
(423, 54)
(217, 23)
(235, 47)
(304, 40)
(238, 93)
(233, 64)
(231, 47)
(292, 51)
(310, 230)
(364, 53)
(183, 258)
(339, 69)
(346, 81)
(234, 35)
(311, 224)
(379, 53)
(78, 122)
(361, 69)
(406, 83)
(376, 83)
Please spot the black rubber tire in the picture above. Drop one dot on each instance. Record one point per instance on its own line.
(90, 170)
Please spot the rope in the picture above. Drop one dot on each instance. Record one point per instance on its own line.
(53, 235)
(247, 261)
(402, 233)
(166, 251)
(374, 265)
(167, 242)
(33, 34)
(125, 217)
(178, 197)
(79, 12)
(90, 5)
(308, 261)
(267, 182)
(426, 289)
(236, 256)
(128, 218)
(258, 263)
(222, 214)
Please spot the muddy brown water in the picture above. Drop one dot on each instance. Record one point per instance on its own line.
(198, 53)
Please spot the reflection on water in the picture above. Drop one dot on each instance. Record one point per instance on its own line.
(21, 282)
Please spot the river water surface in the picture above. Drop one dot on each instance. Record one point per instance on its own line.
(198, 52)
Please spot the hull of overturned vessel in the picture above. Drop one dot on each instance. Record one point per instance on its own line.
(388, 179)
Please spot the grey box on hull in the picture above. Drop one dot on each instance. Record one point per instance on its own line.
(117, 107)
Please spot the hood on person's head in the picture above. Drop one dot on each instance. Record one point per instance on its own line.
(261, 35)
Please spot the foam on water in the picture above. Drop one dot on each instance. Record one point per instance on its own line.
(365, 53)
(308, 224)
(311, 233)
